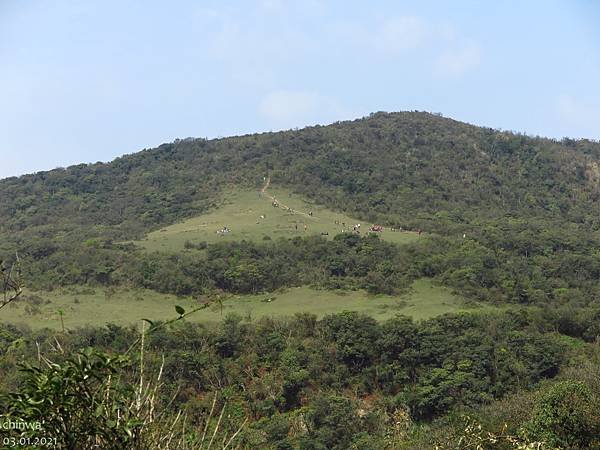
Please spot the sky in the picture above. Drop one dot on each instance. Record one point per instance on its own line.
(87, 81)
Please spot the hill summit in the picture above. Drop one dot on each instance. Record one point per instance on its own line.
(411, 168)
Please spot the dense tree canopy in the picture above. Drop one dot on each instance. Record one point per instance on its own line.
(509, 219)
(528, 206)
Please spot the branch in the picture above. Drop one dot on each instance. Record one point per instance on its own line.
(156, 327)
(11, 281)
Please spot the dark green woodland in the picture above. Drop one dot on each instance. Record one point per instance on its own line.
(508, 221)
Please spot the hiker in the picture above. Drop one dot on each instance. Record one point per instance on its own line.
(305, 227)
(310, 213)
(296, 225)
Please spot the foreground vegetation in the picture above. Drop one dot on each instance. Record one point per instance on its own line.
(511, 226)
(345, 381)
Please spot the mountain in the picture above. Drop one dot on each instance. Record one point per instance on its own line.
(409, 167)
(520, 201)
(506, 262)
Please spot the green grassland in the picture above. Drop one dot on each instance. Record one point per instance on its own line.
(241, 212)
(85, 306)
(422, 301)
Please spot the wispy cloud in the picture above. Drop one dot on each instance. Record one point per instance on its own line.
(399, 34)
(579, 116)
(457, 61)
(439, 47)
(287, 109)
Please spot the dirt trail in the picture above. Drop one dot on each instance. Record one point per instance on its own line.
(264, 192)
(266, 186)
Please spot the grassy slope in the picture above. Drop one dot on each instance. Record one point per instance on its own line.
(241, 213)
(128, 306)
(424, 300)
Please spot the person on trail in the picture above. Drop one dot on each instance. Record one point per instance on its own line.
(296, 225)
(310, 213)
(305, 227)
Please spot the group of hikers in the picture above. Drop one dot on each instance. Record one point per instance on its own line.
(355, 228)
(223, 231)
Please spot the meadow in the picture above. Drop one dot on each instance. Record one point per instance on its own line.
(250, 215)
(81, 306)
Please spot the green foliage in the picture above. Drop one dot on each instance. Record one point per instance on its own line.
(353, 335)
(507, 218)
(566, 417)
(528, 208)
(304, 383)
(79, 401)
(332, 423)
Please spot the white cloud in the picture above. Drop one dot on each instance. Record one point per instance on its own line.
(573, 110)
(580, 117)
(418, 41)
(389, 37)
(289, 109)
(254, 48)
(455, 62)
(291, 7)
(400, 34)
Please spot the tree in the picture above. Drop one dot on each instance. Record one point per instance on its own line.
(354, 336)
(11, 281)
(332, 422)
(567, 417)
(78, 402)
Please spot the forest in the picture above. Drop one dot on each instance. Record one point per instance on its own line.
(507, 220)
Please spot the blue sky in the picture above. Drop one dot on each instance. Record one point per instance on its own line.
(86, 81)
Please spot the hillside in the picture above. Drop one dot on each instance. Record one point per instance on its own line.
(498, 208)
(477, 324)
(415, 168)
(250, 215)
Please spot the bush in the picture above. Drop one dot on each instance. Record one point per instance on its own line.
(566, 416)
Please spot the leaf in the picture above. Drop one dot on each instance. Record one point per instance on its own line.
(179, 310)
(149, 321)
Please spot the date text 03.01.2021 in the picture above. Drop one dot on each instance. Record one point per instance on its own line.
(38, 441)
